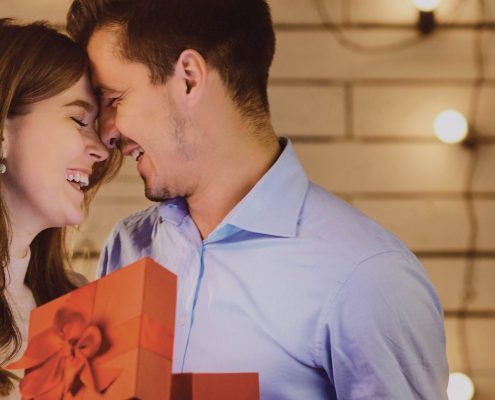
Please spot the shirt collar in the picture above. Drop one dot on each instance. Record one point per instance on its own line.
(173, 210)
(273, 205)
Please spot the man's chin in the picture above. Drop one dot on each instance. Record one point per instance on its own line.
(156, 195)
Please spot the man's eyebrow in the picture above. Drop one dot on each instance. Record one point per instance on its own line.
(102, 89)
(81, 103)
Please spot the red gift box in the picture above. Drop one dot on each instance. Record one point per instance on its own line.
(110, 339)
(234, 386)
(113, 339)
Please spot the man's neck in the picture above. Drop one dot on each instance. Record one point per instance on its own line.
(230, 179)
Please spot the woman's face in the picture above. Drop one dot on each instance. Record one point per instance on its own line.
(49, 153)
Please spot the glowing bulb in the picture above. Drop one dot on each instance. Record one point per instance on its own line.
(460, 387)
(451, 127)
(426, 5)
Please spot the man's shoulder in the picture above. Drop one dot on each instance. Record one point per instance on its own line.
(129, 240)
(344, 228)
(135, 228)
(141, 219)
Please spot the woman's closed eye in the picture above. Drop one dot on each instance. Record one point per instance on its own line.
(79, 122)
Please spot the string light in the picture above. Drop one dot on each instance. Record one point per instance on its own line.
(460, 387)
(426, 5)
(426, 21)
(451, 127)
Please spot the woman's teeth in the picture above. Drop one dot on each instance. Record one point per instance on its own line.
(137, 153)
(78, 177)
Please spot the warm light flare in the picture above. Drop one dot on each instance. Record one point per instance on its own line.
(451, 127)
(460, 387)
(426, 5)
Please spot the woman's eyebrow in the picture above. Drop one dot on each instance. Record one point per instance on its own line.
(81, 103)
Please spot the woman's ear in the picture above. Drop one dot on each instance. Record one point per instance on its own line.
(4, 144)
(191, 73)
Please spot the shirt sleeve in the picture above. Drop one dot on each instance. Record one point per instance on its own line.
(110, 254)
(383, 334)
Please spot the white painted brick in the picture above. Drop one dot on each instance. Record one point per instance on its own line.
(446, 275)
(377, 167)
(422, 224)
(485, 121)
(54, 11)
(484, 180)
(489, 53)
(484, 282)
(447, 54)
(395, 12)
(480, 333)
(453, 349)
(490, 13)
(102, 217)
(485, 211)
(308, 110)
(484, 383)
(303, 11)
(404, 111)
(86, 267)
(126, 184)
(122, 187)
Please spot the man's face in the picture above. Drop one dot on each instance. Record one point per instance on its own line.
(142, 119)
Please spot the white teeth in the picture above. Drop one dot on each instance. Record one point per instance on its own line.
(137, 153)
(84, 181)
(79, 177)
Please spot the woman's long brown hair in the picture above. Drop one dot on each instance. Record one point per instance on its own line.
(36, 63)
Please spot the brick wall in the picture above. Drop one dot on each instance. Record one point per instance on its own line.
(361, 123)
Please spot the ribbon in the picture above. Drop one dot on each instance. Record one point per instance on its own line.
(58, 360)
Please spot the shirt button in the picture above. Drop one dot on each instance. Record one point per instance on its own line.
(182, 319)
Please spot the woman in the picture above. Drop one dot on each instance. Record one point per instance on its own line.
(51, 163)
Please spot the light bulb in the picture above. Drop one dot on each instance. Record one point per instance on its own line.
(426, 5)
(451, 127)
(460, 387)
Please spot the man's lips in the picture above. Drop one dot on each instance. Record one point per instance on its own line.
(133, 151)
(137, 154)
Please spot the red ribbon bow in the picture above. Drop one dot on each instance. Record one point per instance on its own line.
(58, 360)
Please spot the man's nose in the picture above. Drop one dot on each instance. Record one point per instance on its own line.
(107, 129)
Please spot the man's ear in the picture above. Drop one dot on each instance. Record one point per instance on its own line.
(191, 73)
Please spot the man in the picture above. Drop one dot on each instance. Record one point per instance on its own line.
(275, 275)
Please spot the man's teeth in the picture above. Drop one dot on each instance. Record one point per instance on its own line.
(137, 153)
(79, 177)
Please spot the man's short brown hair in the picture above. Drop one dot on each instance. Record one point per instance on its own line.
(236, 37)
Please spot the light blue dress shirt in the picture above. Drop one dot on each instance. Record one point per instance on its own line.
(298, 286)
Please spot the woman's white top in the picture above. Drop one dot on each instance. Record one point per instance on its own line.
(21, 301)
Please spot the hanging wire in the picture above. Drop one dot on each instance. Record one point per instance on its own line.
(338, 32)
(468, 284)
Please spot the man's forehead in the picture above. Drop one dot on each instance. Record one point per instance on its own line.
(104, 41)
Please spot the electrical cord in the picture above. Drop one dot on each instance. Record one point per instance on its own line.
(468, 284)
(338, 32)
